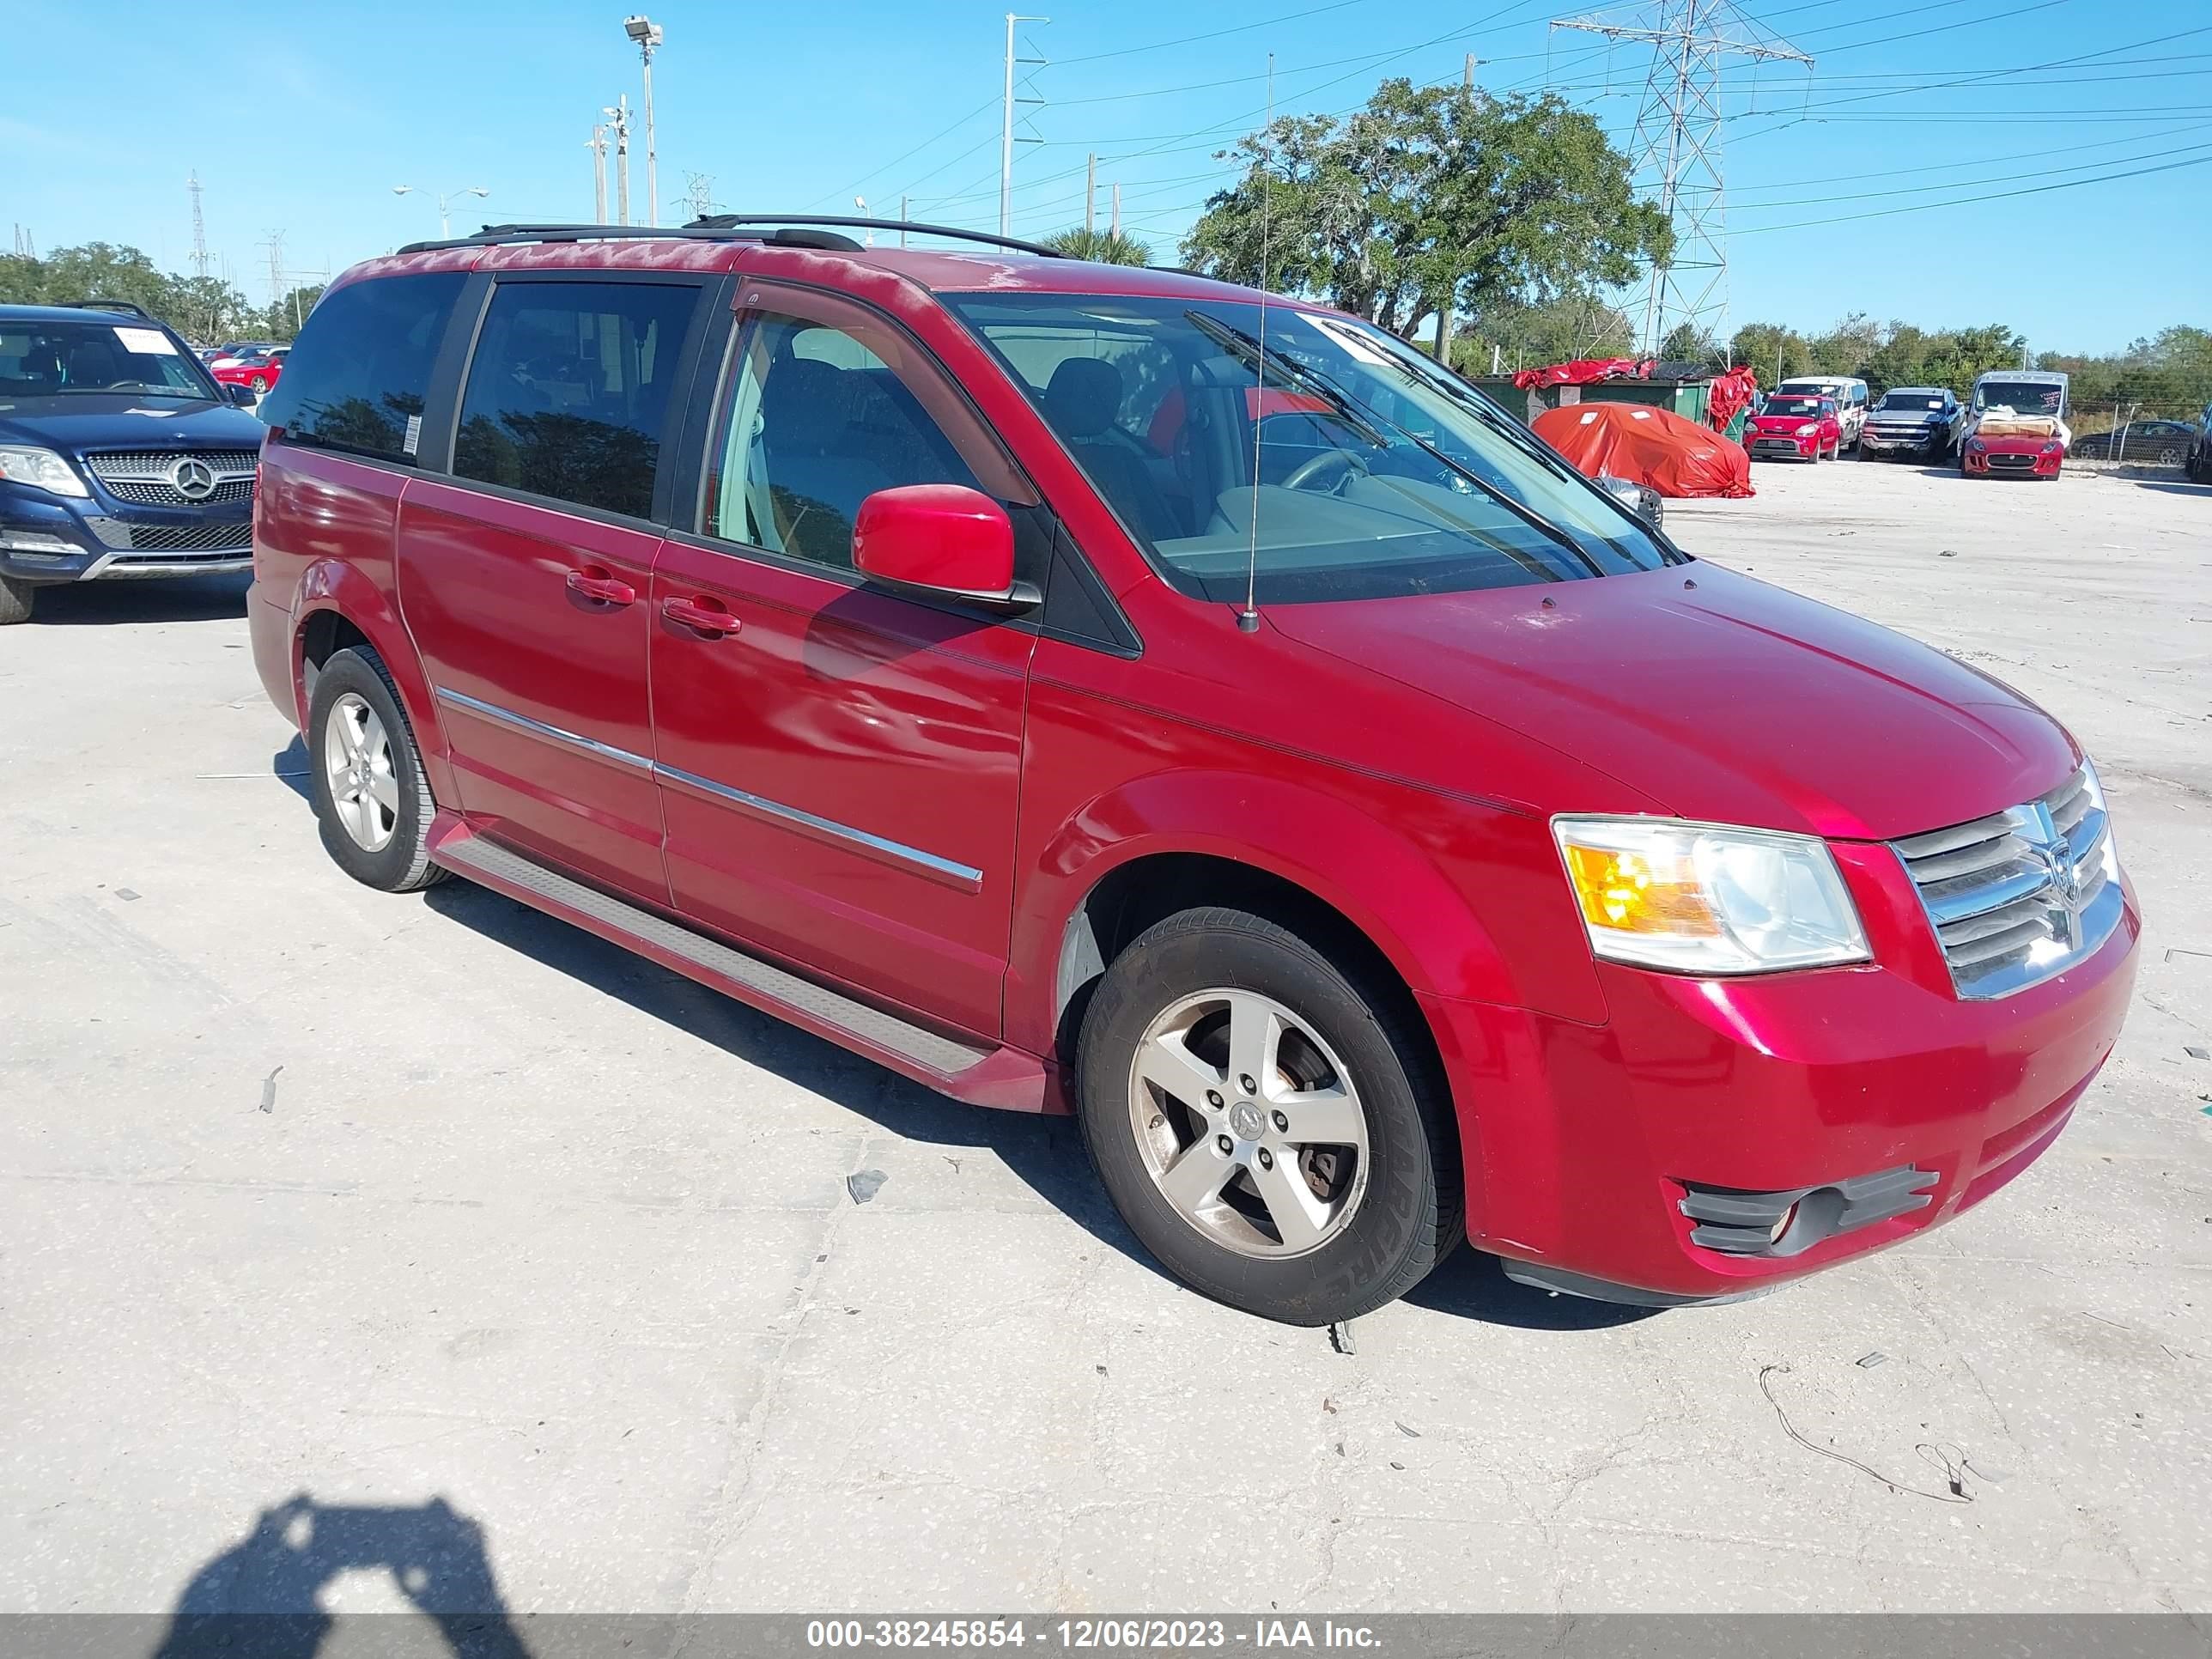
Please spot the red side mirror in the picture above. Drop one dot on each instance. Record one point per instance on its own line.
(945, 538)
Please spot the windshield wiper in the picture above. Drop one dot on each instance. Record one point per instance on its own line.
(127, 388)
(1241, 343)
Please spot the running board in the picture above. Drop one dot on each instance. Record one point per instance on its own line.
(982, 1075)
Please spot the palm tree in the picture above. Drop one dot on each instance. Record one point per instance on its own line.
(1106, 247)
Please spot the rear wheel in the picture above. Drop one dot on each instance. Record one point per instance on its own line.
(367, 778)
(1264, 1123)
(259, 383)
(15, 600)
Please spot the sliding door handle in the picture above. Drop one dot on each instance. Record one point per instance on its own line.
(702, 617)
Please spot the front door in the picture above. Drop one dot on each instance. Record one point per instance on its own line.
(524, 576)
(840, 764)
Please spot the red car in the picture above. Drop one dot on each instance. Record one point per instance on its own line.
(1370, 830)
(260, 370)
(1795, 427)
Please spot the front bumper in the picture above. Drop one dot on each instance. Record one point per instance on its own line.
(1928, 442)
(47, 538)
(1776, 446)
(1600, 1158)
(1999, 462)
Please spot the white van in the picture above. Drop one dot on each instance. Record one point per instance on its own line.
(1851, 396)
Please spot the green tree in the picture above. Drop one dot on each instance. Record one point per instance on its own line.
(1105, 247)
(1557, 331)
(1431, 201)
(1774, 351)
(199, 308)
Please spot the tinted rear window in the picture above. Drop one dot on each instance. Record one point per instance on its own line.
(569, 389)
(357, 375)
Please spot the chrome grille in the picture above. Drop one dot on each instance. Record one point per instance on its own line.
(141, 476)
(2018, 896)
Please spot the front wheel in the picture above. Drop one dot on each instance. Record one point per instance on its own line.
(15, 600)
(1264, 1123)
(367, 778)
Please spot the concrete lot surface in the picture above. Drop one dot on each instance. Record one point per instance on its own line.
(341, 1232)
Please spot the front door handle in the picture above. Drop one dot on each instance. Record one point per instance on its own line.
(702, 615)
(594, 582)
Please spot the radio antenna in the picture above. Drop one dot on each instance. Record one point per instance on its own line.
(1248, 619)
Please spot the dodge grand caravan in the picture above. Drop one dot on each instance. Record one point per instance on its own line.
(1107, 690)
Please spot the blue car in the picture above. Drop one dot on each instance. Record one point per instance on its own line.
(119, 454)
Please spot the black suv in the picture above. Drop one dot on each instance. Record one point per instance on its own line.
(119, 454)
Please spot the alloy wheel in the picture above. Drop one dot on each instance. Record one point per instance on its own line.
(1249, 1123)
(357, 764)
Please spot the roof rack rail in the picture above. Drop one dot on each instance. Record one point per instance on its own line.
(797, 230)
(124, 305)
(733, 221)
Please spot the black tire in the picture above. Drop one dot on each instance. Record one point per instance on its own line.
(15, 600)
(402, 864)
(1413, 1210)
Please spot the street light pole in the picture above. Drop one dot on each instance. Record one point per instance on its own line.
(649, 35)
(444, 203)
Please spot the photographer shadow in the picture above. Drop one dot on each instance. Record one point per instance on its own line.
(260, 1599)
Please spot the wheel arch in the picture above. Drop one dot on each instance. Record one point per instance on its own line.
(339, 606)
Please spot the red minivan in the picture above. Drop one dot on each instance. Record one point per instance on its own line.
(1096, 689)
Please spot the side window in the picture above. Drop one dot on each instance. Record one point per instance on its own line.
(817, 421)
(568, 391)
(357, 375)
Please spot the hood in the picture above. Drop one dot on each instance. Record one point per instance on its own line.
(1782, 422)
(1727, 700)
(1904, 417)
(126, 421)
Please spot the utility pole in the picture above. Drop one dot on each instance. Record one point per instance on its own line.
(1007, 123)
(1675, 155)
(619, 115)
(903, 202)
(648, 36)
(199, 226)
(1466, 75)
(598, 145)
(1117, 207)
(1090, 194)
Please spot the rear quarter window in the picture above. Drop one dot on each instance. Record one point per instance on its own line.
(359, 372)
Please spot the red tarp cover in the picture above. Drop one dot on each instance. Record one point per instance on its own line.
(1731, 391)
(1584, 371)
(1653, 447)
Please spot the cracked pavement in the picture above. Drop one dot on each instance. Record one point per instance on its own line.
(538, 1229)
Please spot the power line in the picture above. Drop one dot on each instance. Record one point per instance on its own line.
(1966, 201)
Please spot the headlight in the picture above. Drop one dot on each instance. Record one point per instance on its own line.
(1809, 429)
(1695, 898)
(40, 468)
(1975, 446)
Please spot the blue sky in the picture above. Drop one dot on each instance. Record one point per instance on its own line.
(302, 118)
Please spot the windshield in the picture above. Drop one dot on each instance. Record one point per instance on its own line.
(1909, 402)
(1337, 461)
(2021, 396)
(1780, 404)
(58, 359)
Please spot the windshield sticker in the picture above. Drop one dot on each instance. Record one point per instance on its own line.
(414, 432)
(146, 342)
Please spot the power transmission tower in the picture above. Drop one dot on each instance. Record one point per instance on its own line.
(1675, 155)
(199, 226)
(276, 246)
(1006, 127)
(699, 193)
